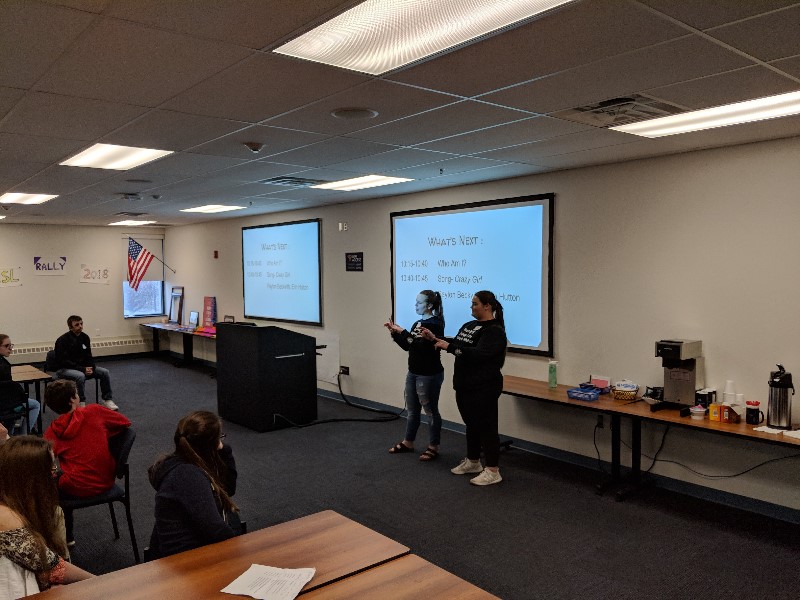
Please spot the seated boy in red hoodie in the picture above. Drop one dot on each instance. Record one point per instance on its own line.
(80, 443)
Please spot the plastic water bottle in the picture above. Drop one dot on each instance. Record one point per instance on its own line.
(552, 375)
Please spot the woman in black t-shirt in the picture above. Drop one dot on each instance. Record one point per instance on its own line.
(480, 351)
(425, 373)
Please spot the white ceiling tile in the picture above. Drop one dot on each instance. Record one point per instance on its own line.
(67, 117)
(183, 163)
(574, 35)
(168, 130)
(726, 88)
(93, 6)
(256, 171)
(274, 139)
(117, 56)
(791, 66)
(596, 138)
(678, 60)
(65, 180)
(32, 37)
(703, 15)
(251, 23)
(392, 160)
(262, 87)
(768, 37)
(8, 98)
(13, 170)
(511, 134)
(330, 151)
(37, 148)
(441, 122)
(450, 166)
(391, 101)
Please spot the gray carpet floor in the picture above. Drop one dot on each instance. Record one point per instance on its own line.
(541, 533)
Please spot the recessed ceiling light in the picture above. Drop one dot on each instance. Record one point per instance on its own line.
(377, 36)
(748, 111)
(132, 223)
(109, 156)
(17, 198)
(360, 183)
(212, 208)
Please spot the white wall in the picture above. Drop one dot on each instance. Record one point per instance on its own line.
(700, 246)
(36, 312)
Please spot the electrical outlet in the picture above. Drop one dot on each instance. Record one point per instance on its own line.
(344, 370)
(600, 421)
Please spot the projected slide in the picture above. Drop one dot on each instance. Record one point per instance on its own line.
(501, 246)
(281, 268)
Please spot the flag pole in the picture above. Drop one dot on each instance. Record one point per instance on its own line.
(158, 259)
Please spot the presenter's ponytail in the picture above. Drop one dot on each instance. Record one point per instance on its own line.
(487, 297)
(434, 299)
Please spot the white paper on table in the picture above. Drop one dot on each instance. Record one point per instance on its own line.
(270, 583)
(765, 429)
(794, 434)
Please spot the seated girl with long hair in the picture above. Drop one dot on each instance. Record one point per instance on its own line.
(193, 487)
(31, 548)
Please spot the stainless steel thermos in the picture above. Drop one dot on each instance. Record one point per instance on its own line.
(779, 407)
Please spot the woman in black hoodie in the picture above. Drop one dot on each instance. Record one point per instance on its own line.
(193, 487)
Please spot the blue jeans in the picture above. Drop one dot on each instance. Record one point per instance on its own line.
(422, 393)
(79, 377)
(33, 414)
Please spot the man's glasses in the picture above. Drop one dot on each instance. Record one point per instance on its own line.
(9, 346)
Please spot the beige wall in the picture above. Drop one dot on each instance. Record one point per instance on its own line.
(36, 312)
(700, 246)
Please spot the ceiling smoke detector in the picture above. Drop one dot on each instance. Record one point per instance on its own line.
(254, 147)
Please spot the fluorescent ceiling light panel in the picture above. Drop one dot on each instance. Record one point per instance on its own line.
(212, 208)
(760, 109)
(2, 217)
(109, 156)
(132, 223)
(377, 36)
(360, 183)
(17, 198)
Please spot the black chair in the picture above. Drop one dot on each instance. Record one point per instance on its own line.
(13, 405)
(50, 367)
(120, 447)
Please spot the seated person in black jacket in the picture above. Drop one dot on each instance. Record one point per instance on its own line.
(193, 487)
(12, 397)
(74, 361)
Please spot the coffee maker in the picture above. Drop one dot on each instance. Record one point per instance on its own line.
(684, 372)
(779, 407)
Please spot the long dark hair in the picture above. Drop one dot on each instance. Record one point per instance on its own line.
(487, 297)
(27, 487)
(197, 441)
(435, 301)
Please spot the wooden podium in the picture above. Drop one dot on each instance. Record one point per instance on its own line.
(263, 372)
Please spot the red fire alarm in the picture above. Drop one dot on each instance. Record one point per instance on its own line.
(216, 253)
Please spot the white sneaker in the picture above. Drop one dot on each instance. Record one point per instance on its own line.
(467, 466)
(487, 477)
(111, 404)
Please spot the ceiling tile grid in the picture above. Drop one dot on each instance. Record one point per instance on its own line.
(198, 79)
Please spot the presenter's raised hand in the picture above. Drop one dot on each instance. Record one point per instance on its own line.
(392, 326)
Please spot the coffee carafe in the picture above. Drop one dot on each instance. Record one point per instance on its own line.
(779, 407)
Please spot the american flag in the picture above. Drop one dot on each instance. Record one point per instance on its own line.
(139, 258)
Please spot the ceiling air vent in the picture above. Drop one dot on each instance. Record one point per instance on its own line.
(292, 181)
(619, 111)
(129, 214)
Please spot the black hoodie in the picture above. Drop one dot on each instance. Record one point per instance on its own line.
(188, 513)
